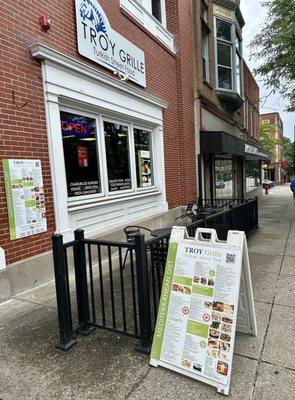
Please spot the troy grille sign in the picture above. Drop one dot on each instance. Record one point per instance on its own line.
(100, 43)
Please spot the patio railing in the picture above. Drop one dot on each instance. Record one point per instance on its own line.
(96, 289)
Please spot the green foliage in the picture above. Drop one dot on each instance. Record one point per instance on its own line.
(288, 150)
(275, 47)
(267, 137)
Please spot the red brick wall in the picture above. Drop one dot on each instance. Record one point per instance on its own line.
(23, 131)
(252, 98)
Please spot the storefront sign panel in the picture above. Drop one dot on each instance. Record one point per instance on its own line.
(101, 44)
(25, 197)
(197, 316)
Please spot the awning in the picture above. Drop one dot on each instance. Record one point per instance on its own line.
(218, 142)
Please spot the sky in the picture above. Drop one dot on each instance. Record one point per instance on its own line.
(254, 15)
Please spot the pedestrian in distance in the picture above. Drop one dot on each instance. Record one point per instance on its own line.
(292, 187)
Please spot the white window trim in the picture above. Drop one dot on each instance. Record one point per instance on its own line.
(141, 11)
(233, 67)
(74, 85)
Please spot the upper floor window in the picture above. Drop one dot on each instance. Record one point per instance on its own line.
(204, 11)
(156, 9)
(205, 56)
(229, 57)
(152, 15)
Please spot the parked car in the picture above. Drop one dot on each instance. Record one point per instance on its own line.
(268, 182)
(220, 185)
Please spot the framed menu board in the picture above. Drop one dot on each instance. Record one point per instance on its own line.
(25, 197)
(197, 315)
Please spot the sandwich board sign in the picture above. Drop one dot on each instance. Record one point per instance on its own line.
(205, 282)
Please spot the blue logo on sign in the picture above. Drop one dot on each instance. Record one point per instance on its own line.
(89, 11)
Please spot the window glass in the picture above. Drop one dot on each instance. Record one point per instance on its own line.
(80, 154)
(223, 177)
(156, 9)
(224, 78)
(143, 157)
(224, 54)
(205, 56)
(238, 74)
(204, 11)
(117, 155)
(223, 30)
(253, 174)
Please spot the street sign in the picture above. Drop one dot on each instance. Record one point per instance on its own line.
(209, 279)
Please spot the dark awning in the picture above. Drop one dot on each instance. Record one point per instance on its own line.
(216, 142)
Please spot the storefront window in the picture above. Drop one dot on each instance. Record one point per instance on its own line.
(117, 155)
(80, 153)
(223, 177)
(121, 151)
(253, 174)
(143, 160)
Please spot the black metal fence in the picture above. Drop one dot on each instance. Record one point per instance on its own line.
(105, 292)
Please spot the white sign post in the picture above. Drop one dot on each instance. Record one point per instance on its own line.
(101, 44)
(198, 312)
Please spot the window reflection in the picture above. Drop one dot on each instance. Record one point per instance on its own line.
(117, 155)
(81, 160)
(223, 177)
(253, 174)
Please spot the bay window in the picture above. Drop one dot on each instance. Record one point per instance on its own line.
(229, 57)
(104, 156)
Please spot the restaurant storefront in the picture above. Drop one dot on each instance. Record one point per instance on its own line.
(94, 110)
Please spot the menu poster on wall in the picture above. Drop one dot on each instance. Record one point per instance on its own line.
(197, 316)
(25, 197)
(144, 162)
(82, 156)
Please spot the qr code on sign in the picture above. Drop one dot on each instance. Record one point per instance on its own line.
(230, 258)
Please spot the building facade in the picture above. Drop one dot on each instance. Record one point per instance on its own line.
(115, 111)
(99, 95)
(227, 105)
(273, 170)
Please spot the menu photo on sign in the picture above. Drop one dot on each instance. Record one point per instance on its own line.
(25, 197)
(197, 316)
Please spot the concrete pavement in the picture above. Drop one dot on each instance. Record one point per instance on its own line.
(105, 365)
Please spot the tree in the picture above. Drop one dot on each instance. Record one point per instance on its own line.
(288, 150)
(267, 137)
(275, 47)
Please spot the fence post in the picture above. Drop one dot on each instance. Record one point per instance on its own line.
(81, 284)
(143, 295)
(62, 294)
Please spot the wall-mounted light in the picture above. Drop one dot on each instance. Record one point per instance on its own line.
(123, 77)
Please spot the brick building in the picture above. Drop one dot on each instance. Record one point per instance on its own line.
(273, 170)
(102, 95)
(113, 112)
(227, 105)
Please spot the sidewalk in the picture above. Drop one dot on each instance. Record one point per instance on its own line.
(105, 366)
